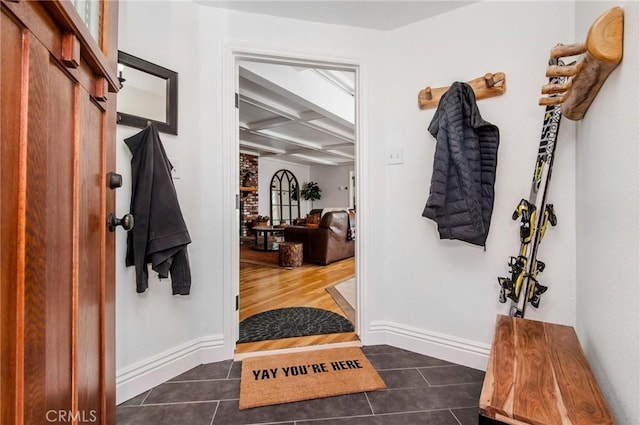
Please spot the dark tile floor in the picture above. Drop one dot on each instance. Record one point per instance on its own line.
(420, 390)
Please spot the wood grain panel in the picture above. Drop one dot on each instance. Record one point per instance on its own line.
(12, 168)
(109, 287)
(60, 247)
(579, 391)
(90, 275)
(36, 276)
(264, 288)
(552, 383)
(67, 17)
(497, 390)
(53, 317)
(47, 18)
(33, 15)
(535, 378)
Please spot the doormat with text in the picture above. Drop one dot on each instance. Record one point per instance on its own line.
(306, 375)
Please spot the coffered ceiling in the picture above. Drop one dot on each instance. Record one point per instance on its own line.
(297, 114)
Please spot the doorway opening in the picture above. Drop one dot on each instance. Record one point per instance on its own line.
(294, 117)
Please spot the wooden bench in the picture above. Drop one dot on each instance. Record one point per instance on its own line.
(538, 375)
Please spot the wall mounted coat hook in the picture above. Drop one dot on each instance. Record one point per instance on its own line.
(489, 85)
(602, 52)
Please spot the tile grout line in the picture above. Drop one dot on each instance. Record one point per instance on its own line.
(174, 403)
(413, 367)
(424, 377)
(147, 396)
(297, 421)
(369, 403)
(230, 369)
(455, 417)
(186, 381)
(213, 418)
(433, 386)
(459, 383)
(386, 414)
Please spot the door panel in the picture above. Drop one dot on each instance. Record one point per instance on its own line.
(37, 277)
(59, 138)
(90, 278)
(13, 151)
(57, 293)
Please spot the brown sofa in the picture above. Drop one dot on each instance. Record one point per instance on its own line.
(330, 241)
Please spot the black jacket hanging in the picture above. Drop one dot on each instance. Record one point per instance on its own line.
(160, 235)
(464, 168)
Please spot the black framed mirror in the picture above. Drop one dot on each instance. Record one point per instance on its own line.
(149, 93)
(285, 197)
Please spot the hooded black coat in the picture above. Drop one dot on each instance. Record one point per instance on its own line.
(464, 168)
(160, 235)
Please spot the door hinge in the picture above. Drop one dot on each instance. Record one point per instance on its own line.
(237, 201)
(237, 100)
(237, 302)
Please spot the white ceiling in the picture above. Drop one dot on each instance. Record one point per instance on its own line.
(306, 115)
(379, 15)
(297, 114)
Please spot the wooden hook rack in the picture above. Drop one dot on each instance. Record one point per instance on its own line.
(489, 85)
(602, 54)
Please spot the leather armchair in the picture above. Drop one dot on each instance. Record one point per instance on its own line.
(326, 243)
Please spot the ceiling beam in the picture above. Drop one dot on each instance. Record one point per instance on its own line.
(306, 88)
(338, 79)
(270, 115)
(286, 116)
(280, 138)
(302, 147)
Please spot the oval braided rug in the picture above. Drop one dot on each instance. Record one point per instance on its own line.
(291, 322)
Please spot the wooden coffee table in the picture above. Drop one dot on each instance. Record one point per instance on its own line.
(262, 237)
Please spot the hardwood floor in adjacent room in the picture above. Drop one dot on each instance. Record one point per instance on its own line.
(266, 287)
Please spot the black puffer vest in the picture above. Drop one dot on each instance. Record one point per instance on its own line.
(464, 168)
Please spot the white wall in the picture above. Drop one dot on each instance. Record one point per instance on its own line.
(266, 169)
(608, 256)
(156, 328)
(334, 182)
(450, 287)
(436, 297)
(159, 335)
(194, 41)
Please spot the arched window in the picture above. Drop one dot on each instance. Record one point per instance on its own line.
(285, 197)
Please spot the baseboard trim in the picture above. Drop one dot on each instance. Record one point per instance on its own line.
(446, 347)
(152, 371)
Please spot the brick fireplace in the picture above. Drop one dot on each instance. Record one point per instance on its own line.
(248, 191)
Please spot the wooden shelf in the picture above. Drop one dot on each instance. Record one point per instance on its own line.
(248, 189)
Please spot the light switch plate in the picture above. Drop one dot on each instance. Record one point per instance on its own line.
(395, 156)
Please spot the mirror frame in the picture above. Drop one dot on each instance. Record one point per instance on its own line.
(171, 124)
(292, 192)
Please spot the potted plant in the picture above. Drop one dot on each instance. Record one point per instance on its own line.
(311, 192)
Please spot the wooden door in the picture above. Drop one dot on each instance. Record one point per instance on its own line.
(57, 292)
